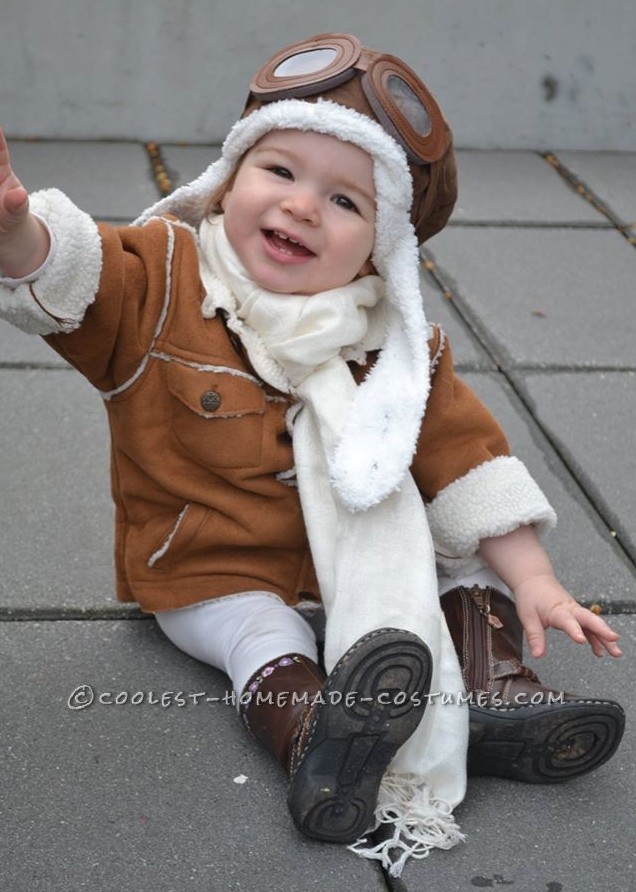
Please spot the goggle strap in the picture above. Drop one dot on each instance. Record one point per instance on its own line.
(375, 69)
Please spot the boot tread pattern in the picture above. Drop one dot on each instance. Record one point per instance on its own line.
(546, 744)
(340, 760)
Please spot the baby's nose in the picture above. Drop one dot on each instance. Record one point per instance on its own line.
(302, 204)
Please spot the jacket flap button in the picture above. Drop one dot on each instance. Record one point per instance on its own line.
(210, 401)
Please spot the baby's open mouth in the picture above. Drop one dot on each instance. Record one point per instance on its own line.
(287, 245)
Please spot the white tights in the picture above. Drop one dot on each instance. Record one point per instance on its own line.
(239, 634)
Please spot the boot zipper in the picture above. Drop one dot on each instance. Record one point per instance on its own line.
(483, 605)
(476, 600)
(473, 644)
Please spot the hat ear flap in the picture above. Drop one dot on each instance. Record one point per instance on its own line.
(434, 195)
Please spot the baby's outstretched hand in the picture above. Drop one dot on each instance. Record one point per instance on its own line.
(14, 199)
(24, 241)
(543, 603)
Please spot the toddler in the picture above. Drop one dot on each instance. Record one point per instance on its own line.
(287, 430)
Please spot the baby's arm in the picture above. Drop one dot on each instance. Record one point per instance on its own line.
(24, 241)
(519, 559)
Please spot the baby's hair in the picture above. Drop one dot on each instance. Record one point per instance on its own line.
(214, 202)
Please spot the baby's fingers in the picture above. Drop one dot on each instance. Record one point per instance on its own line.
(602, 637)
(8, 179)
(14, 207)
(16, 201)
(535, 633)
(601, 647)
(598, 648)
(584, 626)
(563, 619)
(5, 160)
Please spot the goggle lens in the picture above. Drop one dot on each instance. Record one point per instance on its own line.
(409, 104)
(310, 62)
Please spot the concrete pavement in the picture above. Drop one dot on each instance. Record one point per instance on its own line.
(534, 281)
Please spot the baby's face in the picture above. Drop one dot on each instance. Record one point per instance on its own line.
(300, 213)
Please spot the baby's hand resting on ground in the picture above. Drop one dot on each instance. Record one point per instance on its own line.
(543, 603)
(519, 559)
(24, 242)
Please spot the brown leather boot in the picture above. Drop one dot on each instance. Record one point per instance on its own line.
(520, 729)
(337, 735)
(275, 700)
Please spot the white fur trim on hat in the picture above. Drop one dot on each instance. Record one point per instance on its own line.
(379, 441)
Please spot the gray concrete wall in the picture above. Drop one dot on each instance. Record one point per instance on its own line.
(508, 73)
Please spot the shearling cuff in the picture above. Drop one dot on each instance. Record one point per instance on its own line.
(58, 299)
(491, 500)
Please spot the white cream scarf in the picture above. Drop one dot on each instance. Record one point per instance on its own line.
(376, 567)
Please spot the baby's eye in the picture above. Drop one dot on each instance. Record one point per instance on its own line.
(346, 203)
(280, 171)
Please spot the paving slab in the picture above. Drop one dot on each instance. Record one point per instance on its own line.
(516, 187)
(467, 351)
(571, 837)
(544, 297)
(56, 526)
(184, 163)
(592, 417)
(610, 175)
(587, 559)
(108, 180)
(20, 349)
(129, 793)
(138, 795)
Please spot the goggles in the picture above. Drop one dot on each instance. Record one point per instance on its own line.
(398, 98)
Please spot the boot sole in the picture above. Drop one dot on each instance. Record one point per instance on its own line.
(334, 790)
(544, 744)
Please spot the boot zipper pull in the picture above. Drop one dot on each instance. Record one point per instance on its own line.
(494, 621)
(484, 608)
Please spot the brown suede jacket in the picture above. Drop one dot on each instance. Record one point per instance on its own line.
(202, 464)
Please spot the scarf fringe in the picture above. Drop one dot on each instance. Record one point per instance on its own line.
(411, 823)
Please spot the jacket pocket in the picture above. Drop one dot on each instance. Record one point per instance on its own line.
(177, 538)
(217, 416)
